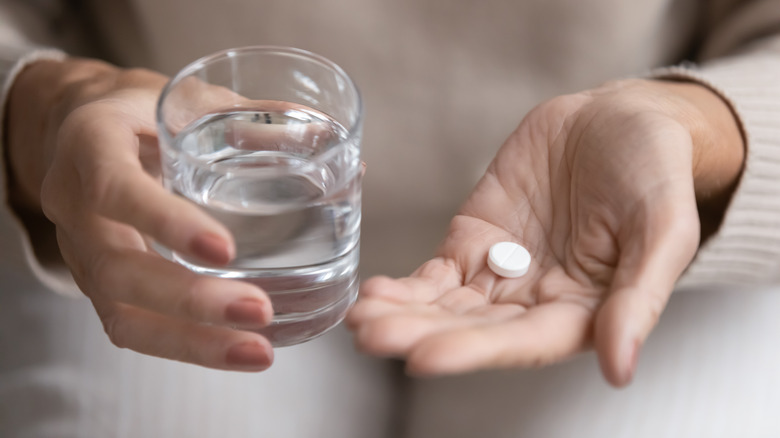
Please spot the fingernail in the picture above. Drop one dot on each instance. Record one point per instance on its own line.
(248, 355)
(211, 247)
(246, 311)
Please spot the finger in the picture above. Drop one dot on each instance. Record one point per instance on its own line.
(650, 263)
(118, 268)
(402, 290)
(540, 336)
(394, 335)
(210, 346)
(150, 282)
(391, 329)
(368, 309)
(427, 283)
(463, 299)
(114, 184)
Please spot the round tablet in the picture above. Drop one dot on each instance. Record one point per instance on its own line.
(509, 259)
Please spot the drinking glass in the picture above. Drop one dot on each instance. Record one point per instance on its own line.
(267, 141)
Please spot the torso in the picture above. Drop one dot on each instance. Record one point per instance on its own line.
(444, 83)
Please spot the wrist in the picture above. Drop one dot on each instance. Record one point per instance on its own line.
(718, 147)
(718, 143)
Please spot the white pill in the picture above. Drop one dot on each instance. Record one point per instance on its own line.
(509, 259)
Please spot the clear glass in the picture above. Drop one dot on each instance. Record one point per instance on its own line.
(267, 141)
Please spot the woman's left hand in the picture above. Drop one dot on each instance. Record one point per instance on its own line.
(601, 187)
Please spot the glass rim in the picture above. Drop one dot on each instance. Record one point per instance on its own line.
(204, 61)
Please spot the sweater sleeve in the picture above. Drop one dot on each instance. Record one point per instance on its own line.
(20, 45)
(741, 62)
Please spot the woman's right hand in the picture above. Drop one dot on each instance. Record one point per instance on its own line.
(83, 151)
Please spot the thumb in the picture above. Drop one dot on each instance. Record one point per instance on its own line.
(660, 246)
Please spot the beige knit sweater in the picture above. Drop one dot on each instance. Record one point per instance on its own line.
(444, 83)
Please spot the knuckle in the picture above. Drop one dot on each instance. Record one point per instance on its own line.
(76, 140)
(162, 223)
(80, 123)
(191, 352)
(52, 196)
(103, 274)
(102, 189)
(62, 177)
(190, 303)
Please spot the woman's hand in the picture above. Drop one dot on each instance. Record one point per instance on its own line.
(83, 150)
(601, 187)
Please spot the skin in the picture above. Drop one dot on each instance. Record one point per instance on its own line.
(602, 187)
(83, 151)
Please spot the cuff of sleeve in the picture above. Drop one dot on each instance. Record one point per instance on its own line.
(746, 248)
(18, 262)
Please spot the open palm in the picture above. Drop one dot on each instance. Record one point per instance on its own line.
(599, 188)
